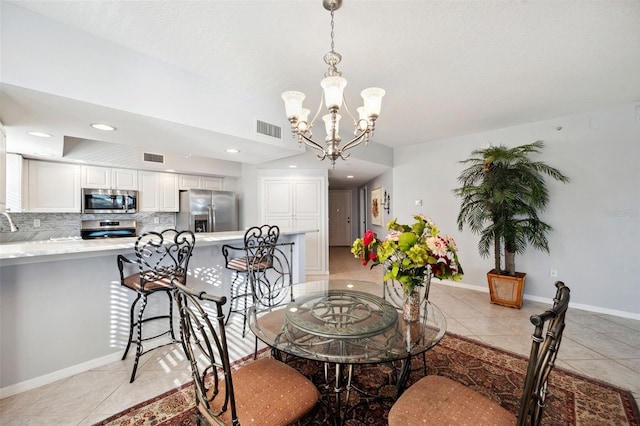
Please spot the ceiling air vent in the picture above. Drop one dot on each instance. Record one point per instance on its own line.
(153, 158)
(268, 129)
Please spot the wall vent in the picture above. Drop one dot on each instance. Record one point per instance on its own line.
(153, 158)
(268, 129)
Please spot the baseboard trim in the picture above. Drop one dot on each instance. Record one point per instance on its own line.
(549, 301)
(58, 375)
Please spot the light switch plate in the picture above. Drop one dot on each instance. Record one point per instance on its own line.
(418, 202)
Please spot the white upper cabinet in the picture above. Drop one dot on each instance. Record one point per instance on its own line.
(212, 183)
(124, 179)
(169, 197)
(189, 182)
(53, 187)
(109, 178)
(158, 192)
(200, 182)
(3, 170)
(16, 183)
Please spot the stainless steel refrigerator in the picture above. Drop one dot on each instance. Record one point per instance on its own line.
(203, 210)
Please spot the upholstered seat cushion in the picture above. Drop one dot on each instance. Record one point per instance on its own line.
(133, 282)
(269, 393)
(437, 400)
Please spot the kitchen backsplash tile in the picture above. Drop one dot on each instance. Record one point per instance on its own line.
(67, 225)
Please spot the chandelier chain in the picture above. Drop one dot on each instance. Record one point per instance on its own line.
(332, 26)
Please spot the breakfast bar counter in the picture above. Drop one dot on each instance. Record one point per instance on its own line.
(74, 247)
(63, 310)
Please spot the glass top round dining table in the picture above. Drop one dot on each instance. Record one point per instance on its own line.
(345, 322)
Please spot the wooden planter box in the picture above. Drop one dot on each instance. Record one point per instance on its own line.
(506, 290)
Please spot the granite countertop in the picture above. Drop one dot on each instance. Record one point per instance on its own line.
(65, 248)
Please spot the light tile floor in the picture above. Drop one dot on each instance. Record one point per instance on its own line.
(596, 345)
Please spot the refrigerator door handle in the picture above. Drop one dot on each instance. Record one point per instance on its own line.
(211, 219)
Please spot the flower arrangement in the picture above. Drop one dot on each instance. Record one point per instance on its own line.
(410, 253)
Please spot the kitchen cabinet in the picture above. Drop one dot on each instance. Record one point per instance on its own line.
(52, 187)
(158, 192)
(16, 183)
(200, 182)
(3, 172)
(299, 203)
(109, 178)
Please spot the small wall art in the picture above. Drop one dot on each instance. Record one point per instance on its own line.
(376, 207)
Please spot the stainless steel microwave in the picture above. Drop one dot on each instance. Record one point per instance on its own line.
(109, 201)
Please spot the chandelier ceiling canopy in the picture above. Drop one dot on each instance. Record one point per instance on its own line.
(333, 85)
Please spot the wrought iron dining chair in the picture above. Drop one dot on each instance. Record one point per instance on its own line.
(270, 276)
(159, 258)
(437, 400)
(238, 260)
(263, 392)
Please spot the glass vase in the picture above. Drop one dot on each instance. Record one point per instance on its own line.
(411, 305)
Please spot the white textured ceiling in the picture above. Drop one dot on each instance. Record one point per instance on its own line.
(449, 67)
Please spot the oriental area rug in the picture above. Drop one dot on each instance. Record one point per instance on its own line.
(499, 375)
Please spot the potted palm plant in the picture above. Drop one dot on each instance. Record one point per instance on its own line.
(502, 192)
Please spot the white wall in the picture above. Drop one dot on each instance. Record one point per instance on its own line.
(595, 244)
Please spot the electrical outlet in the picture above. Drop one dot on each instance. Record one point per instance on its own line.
(156, 220)
(36, 223)
(553, 273)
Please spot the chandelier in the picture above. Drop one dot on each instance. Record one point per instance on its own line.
(333, 86)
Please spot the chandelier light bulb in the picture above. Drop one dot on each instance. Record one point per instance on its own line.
(293, 103)
(333, 88)
(303, 120)
(329, 126)
(372, 100)
(363, 120)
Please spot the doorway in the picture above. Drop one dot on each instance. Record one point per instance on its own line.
(363, 203)
(340, 209)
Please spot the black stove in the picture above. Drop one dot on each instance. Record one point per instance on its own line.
(93, 229)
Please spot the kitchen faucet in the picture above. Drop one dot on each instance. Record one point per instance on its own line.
(13, 226)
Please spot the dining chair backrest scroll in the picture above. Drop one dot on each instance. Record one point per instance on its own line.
(263, 392)
(437, 400)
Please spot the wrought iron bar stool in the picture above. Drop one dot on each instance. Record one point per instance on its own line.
(271, 276)
(159, 258)
(239, 259)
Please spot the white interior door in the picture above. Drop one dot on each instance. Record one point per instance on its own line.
(340, 218)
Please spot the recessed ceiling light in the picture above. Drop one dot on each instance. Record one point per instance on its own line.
(232, 151)
(102, 126)
(40, 134)
(171, 171)
(350, 177)
(293, 166)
